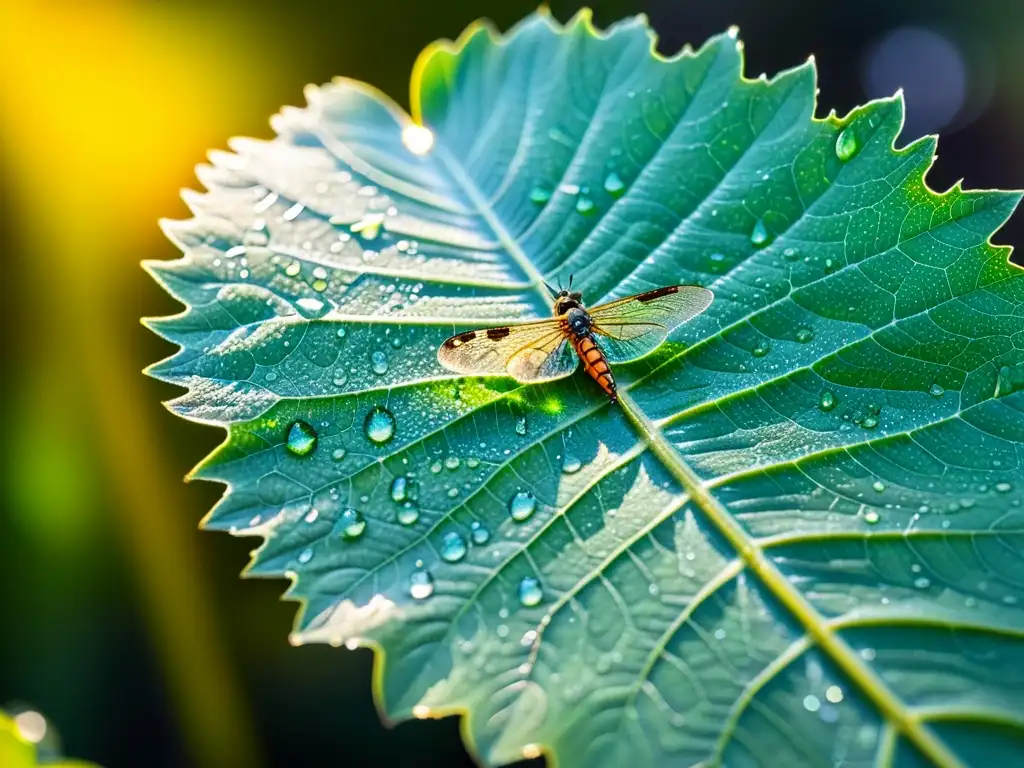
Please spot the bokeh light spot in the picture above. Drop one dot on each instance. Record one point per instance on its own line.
(930, 69)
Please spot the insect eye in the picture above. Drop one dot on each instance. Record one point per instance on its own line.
(562, 294)
(576, 295)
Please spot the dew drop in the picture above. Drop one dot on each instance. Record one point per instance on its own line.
(319, 286)
(339, 379)
(408, 514)
(878, 485)
(271, 376)
(479, 533)
(452, 463)
(310, 307)
(530, 592)
(453, 547)
(571, 464)
(540, 195)
(759, 237)
(338, 454)
(379, 362)
(762, 349)
(305, 555)
(472, 462)
(522, 505)
(791, 254)
(846, 144)
(302, 438)
(871, 517)
(521, 425)
(351, 523)
(1003, 487)
(379, 425)
(293, 269)
(922, 582)
(936, 390)
(435, 468)
(613, 185)
(585, 205)
(421, 585)
(804, 335)
(869, 422)
(341, 333)
(399, 489)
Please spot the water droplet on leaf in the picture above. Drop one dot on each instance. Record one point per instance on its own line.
(827, 401)
(804, 335)
(379, 362)
(351, 523)
(759, 237)
(936, 390)
(846, 144)
(421, 585)
(479, 532)
(539, 195)
(302, 438)
(379, 425)
(613, 185)
(530, 592)
(571, 464)
(522, 505)
(453, 547)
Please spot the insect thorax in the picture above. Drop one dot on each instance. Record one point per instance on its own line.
(578, 320)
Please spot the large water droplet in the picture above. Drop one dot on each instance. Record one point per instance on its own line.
(351, 523)
(571, 464)
(759, 237)
(804, 335)
(827, 401)
(479, 532)
(379, 425)
(936, 390)
(922, 582)
(417, 139)
(399, 489)
(584, 204)
(453, 547)
(540, 195)
(522, 505)
(305, 556)
(421, 585)
(871, 517)
(310, 307)
(869, 422)
(878, 485)
(846, 144)
(613, 185)
(379, 362)
(338, 454)
(409, 513)
(530, 592)
(293, 269)
(302, 438)
(762, 349)
(1003, 487)
(452, 463)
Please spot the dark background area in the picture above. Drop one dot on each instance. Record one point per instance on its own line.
(123, 623)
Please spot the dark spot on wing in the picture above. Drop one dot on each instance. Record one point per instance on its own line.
(497, 333)
(657, 293)
(462, 338)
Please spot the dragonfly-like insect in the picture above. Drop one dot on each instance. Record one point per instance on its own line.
(617, 332)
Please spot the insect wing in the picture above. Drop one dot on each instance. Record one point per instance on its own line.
(528, 353)
(637, 325)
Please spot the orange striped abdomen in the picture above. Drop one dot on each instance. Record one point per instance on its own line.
(595, 365)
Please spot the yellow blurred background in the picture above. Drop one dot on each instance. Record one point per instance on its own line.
(123, 623)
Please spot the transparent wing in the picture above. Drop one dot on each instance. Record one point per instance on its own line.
(637, 325)
(528, 353)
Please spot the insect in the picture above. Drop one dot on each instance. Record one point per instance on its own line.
(617, 332)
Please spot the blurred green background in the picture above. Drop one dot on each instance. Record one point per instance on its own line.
(122, 622)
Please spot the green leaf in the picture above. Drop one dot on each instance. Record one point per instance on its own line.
(799, 541)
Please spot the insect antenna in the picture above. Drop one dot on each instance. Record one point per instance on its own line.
(570, 281)
(548, 286)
